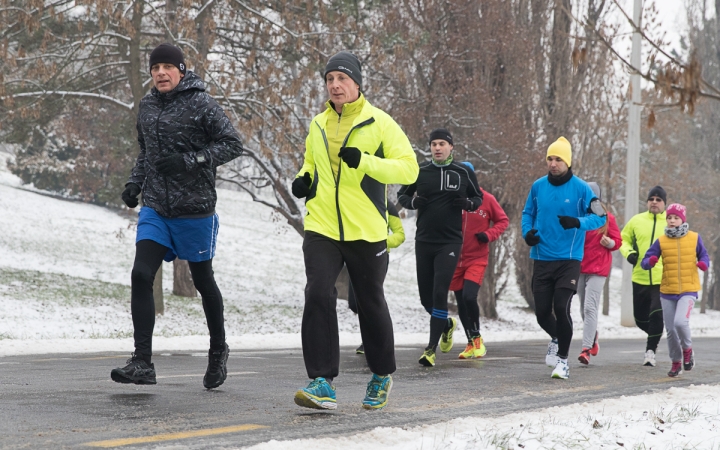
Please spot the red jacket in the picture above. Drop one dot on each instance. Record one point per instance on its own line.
(473, 251)
(597, 260)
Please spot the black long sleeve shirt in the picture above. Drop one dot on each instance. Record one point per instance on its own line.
(440, 221)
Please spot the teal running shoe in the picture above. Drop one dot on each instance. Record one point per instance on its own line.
(318, 395)
(377, 393)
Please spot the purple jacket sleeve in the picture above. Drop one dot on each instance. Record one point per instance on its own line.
(701, 252)
(654, 250)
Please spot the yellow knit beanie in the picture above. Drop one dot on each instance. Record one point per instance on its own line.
(561, 148)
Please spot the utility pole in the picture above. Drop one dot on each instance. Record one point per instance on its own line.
(632, 175)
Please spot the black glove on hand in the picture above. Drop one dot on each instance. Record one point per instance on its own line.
(464, 203)
(531, 239)
(301, 186)
(351, 156)
(482, 238)
(419, 202)
(129, 195)
(568, 222)
(632, 258)
(171, 165)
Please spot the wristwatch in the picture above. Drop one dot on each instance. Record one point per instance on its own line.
(200, 158)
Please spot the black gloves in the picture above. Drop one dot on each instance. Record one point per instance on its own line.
(351, 156)
(301, 186)
(129, 195)
(531, 239)
(418, 202)
(568, 222)
(632, 258)
(464, 203)
(483, 238)
(171, 165)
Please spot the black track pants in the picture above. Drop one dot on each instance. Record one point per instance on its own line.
(468, 308)
(647, 310)
(148, 257)
(435, 265)
(435, 268)
(367, 264)
(554, 283)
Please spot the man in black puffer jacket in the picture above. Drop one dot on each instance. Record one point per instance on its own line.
(184, 135)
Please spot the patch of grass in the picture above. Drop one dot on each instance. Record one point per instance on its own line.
(59, 288)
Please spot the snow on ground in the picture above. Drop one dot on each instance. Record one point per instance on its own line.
(65, 275)
(687, 418)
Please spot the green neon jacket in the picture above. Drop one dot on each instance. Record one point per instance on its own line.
(352, 205)
(637, 236)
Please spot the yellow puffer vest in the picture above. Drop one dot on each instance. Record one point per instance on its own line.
(680, 273)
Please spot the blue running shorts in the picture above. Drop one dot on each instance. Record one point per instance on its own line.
(190, 239)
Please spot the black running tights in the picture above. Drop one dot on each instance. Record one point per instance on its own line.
(148, 257)
(560, 323)
(468, 308)
(647, 310)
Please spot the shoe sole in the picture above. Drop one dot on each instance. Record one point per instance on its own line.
(381, 405)
(359, 353)
(118, 378)
(224, 375)
(306, 401)
(426, 362)
(649, 364)
(559, 377)
(672, 375)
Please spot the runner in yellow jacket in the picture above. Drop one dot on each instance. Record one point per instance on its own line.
(352, 151)
(641, 231)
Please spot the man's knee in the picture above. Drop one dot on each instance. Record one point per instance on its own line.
(142, 274)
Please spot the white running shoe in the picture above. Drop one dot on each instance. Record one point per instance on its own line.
(551, 358)
(649, 358)
(562, 370)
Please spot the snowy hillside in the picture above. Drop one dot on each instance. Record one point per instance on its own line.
(65, 274)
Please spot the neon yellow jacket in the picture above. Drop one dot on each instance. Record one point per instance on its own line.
(637, 236)
(395, 225)
(353, 205)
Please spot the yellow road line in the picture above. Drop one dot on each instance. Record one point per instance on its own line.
(173, 436)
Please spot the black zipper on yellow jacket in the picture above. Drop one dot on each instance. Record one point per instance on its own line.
(337, 180)
(652, 240)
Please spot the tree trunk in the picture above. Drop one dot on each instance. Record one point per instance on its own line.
(343, 284)
(487, 300)
(523, 269)
(606, 297)
(182, 279)
(158, 293)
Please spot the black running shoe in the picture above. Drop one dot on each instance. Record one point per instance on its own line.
(217, 367)
(360, 350)
(137, 371)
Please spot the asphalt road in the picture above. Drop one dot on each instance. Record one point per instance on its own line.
(69, 401)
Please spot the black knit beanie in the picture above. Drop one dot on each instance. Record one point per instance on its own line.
(441, 133)
(168, 53)
(347, 63)
(658, 191)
